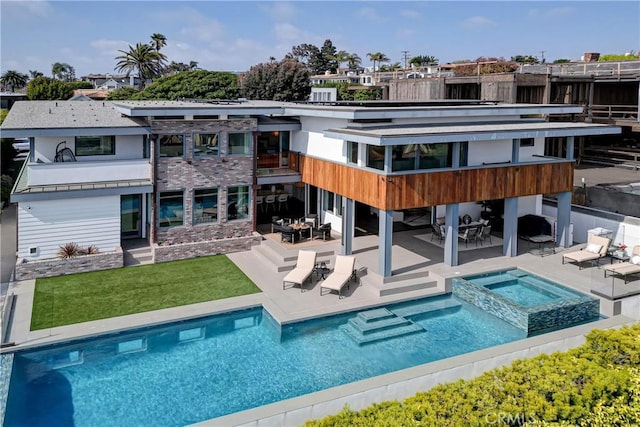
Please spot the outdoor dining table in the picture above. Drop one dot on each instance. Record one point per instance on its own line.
(303, 228)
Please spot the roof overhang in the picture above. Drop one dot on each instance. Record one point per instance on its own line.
(73, 191)
(472, 132)
(195, 109)
(80, 131)
(368, 113)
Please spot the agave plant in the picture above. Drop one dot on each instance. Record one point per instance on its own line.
(69, 250)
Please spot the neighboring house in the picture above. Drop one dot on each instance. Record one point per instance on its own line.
(7, 99)
(111, 82)
(184, 176)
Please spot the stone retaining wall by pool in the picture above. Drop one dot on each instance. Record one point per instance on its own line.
(534, 319)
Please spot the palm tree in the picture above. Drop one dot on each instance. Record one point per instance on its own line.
(193, 65)
(378, 57)
(14, 80)
(354, 61)
(35, 73)
(58, 70)
(340, 57)
(145, 59)
(158, 41)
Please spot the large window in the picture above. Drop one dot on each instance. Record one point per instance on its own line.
(404, 157)
(171, 208)
(205, 144)
(434, 156)
(352, 152)
(95, 145)
(332, 202)
(240, 143)
(238, 202)
(205, 205)
(375, 157)
(171, 145)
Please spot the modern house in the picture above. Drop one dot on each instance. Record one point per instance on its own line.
(186, 176)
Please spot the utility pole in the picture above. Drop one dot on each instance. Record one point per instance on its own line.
(542, 56)
(405, 55)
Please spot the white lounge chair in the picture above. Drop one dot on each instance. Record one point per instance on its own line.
(342, 273)
(304, 268)
(627, 268)
(597, 247)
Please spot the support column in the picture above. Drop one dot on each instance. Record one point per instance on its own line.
(510, 229)
(563, 233)
(385, 241)
(515, 151)
(570, 147)
(348, 221)
(306, 199)
(451, 234)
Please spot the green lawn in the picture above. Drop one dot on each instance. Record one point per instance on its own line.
(65, 300)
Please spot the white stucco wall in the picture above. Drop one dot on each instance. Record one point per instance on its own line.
(46, 225)
(311, 141)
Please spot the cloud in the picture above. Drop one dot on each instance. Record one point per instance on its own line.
(478, 22)
(406, 33)
(533, 13)
(559, 12)
(411, 14)
(369, 14)
(279, 11)
(108, 47)
(26, 10)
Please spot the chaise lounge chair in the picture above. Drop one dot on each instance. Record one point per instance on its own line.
(627, 268)
(342, 273)
(304, 268)
(597, 247)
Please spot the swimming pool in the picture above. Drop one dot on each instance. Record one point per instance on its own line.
(195, 370)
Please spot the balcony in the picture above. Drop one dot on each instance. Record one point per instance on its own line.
(66, 173)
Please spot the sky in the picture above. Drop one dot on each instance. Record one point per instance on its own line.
(234, 35)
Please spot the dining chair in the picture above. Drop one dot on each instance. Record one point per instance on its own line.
(469, 234)
(260, 203)
(270, 202)
(283, 201)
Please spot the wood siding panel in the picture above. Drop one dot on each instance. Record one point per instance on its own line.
(397, 192)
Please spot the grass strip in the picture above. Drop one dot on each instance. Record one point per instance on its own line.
(65, 300)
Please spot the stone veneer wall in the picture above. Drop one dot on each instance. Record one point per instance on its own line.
(211, 247)
(188, 173)
(535, 319)
(58, 267)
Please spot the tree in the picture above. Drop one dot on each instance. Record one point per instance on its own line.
(158, 41)
(198, 84)
(142, 58)
(318, 60)
(287, 80)
(302, 53)
(341, 57)
(42, 88)
(391, 67)
(422, 60)
(123, 94)
(63, 71)
(353, 61)
(327, 60)
(13, 80)
(378, 57)
(35, 73)
(525, 59)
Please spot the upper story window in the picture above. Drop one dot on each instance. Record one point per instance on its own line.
(205, 144)
(527, 142)
(95, 145)
(375, 157)
(352, 152)
(240, 143)
(171, 145)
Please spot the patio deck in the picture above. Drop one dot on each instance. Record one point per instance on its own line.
(418, 271)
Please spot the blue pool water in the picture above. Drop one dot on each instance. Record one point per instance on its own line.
(523, 288)
(200, 369)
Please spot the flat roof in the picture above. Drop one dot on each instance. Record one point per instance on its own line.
(35, 118)
(393, 135)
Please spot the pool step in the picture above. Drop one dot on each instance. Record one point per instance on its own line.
(378, 324)
(427, 307)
